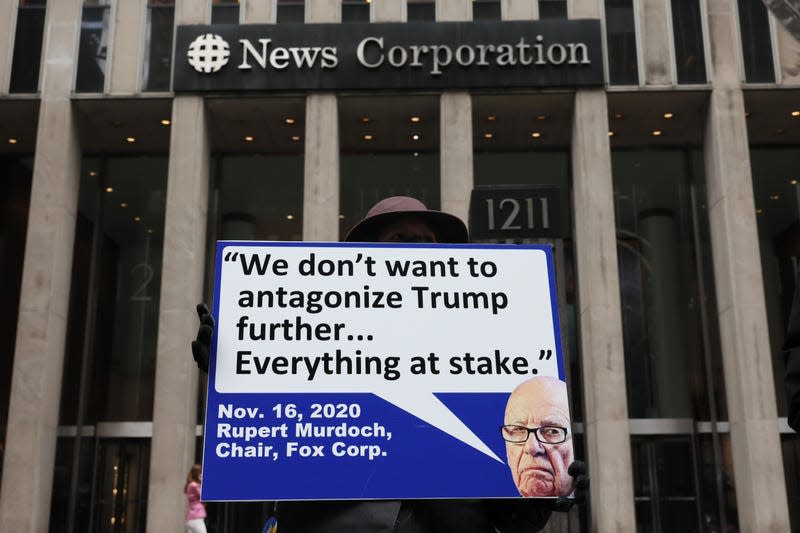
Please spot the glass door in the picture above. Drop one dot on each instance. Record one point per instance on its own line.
(119, 494)
(666, 484)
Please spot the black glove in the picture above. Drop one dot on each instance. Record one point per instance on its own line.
(577, 470)
(202, 346)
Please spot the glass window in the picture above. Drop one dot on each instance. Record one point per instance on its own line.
(506, 155)
(552, 9)
(15, 192)
(158, 45)
(355, 11)
(256, 173)
(756, 42)
(500, 169)
(486, 10)
(389, 147)
(93, 47)
(60, 516)
(665, 491)
(690, 62)
(290, 11)
(122, 472)
(225, 12)
(260, 197)
(671, 347)
(421, 10)
(677, 485)
(28, 46)
(116, 281)
(621, 37)
(777, 201)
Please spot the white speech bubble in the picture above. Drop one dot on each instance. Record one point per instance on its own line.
(487, 333)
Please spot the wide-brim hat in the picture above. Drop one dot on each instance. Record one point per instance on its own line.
(448, 228)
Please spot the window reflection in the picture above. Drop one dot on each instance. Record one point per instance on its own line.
(290, 11)
(678, 485)
(486, 10)
(60, 512)
(777, 202)
(260, 197)
(502, 169)
(355, 11)
(688, 34)
(225, 12)
(756, 41)
(93, 47)
(28, 46)
(158, 45)
(115, 290)
(121, 485)
(15, 191)
(421, 10)
(658, 198)
(506, 154)
(621, 37)
(552, 9)
(389, 147)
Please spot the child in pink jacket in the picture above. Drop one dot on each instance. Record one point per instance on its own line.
(195, 515)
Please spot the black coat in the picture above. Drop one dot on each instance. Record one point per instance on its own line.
(792, 355)
(414, 516)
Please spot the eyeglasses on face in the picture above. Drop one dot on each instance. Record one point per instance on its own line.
(544, 434)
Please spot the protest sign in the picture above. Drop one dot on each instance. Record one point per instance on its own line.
(360, 371)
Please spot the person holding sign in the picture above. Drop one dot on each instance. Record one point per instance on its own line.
(407, 220)
(538, 438)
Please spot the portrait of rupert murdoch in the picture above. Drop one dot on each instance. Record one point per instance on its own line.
(538, 437)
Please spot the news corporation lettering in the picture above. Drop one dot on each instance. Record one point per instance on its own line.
(373, 52)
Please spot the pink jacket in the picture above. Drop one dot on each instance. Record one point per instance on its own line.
(196, 507)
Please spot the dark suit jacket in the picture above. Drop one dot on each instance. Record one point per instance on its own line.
(414, 516)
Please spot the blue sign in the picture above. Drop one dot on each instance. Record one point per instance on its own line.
(384, 371)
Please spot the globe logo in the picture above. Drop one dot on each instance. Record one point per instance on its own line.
(208, 53)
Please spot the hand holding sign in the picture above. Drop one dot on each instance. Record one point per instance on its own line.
(201, 347)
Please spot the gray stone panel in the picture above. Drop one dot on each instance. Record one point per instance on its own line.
(30, 446)
(599, 315)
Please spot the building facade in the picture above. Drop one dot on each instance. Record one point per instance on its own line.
(115, 188)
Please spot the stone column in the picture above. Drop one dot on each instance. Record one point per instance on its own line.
(455, 116)
(608, 443)
(600, 317)
(519, 9)
(126, 52)
(750, 391)
(321, 166)
(175, 397)
(8, 22)
(388, 11)
(44, 298)
(654, 20)
(258, 11)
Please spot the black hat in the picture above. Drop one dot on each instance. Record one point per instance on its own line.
(448, 228)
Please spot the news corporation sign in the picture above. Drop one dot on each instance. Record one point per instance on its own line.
(488, 54)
